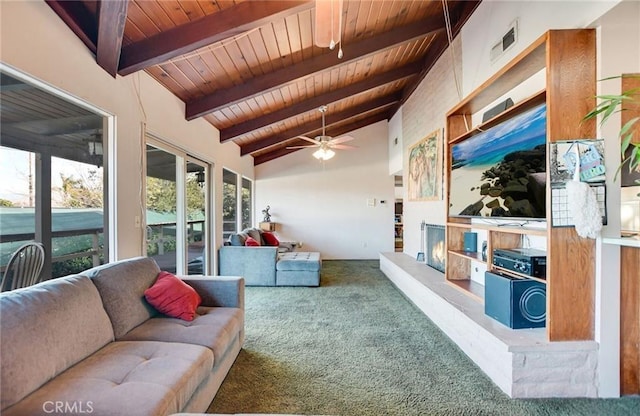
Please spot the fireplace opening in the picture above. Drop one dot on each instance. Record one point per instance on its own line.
(436, 253)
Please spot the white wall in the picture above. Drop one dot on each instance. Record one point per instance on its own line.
(325, 205)
(35, 41)
(424, 112)
(492, 19)
(395, 143)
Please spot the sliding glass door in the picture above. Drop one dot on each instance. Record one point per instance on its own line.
(177, 210)
(197, 184)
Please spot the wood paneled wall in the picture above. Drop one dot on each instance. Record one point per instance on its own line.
(630, 283)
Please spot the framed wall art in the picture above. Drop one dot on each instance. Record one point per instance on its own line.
(424, 176)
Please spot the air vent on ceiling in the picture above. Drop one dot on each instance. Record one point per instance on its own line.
(507, 40)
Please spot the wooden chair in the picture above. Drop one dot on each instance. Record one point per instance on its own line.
(24, 267)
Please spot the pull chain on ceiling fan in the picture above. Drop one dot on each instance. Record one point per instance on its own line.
(325, 143)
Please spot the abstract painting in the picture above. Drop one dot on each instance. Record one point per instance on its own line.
(424, 176)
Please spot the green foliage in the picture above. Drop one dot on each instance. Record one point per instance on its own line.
(612, 104)
(73, 266)
(162, 196)
(82, 192)
(195, 199)
(246, 207)
(6, 203)
(229, 202)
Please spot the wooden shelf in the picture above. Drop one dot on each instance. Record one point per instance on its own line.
(520, 107)
(504, 228)
(519, 275)
(471, 255)
(469, 287)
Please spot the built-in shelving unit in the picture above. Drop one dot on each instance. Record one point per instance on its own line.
(569, 60)
(398, 227)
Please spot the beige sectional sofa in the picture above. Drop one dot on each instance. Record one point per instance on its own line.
(91, 344)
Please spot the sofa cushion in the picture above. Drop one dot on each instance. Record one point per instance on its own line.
(299, 261)
(121, 285)
(213, 328)
(238, 239)
(270, 239)
(254, 233)
(47, 328)
(251, 242)
(125, 378)
(172, 297)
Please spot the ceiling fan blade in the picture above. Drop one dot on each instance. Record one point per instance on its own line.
(302, 147)
(343, 146)
(309, 139)
(341, 139)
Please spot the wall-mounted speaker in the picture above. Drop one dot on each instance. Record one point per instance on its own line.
(497, 109)
(515, 302)
(470, 242)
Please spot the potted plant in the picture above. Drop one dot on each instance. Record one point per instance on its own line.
(614, 103)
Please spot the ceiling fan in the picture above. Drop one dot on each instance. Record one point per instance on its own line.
(325, 143)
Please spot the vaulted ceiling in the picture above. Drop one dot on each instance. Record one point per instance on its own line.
(252, 70)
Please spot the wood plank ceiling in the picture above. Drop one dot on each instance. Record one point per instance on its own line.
(251, 69)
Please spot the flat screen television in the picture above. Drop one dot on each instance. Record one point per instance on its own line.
(501, 172)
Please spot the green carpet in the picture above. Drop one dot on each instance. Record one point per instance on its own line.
(356, 346)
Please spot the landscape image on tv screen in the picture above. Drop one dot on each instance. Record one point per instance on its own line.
(500, 172)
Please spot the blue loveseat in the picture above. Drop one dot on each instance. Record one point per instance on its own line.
(268, 265)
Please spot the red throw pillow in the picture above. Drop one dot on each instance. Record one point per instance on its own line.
(270, 239)
(173, 297)
(251, 242)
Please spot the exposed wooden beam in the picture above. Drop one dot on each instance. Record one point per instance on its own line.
(316, 125)
(79, 19)
(210, 29)
(336, 131)
(276, 79)
(112, 16)
(323, 99)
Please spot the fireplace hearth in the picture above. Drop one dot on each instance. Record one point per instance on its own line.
(436, 253)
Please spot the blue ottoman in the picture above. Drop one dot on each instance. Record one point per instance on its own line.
(298, 268)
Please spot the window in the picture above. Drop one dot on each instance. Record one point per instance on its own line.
(247, 203)
(229, 203)
(52, 182)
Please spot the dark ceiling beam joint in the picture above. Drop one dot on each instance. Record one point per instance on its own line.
(79, 19)
(205, 31)
(112, 17)
(316, 125)
(274, 80)
(367, 84)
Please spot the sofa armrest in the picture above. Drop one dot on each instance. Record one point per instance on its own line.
(256, 264)
(225, 291)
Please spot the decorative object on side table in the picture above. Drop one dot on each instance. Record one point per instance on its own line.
(266, 214)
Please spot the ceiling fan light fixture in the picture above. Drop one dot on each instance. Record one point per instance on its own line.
(324, 154)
